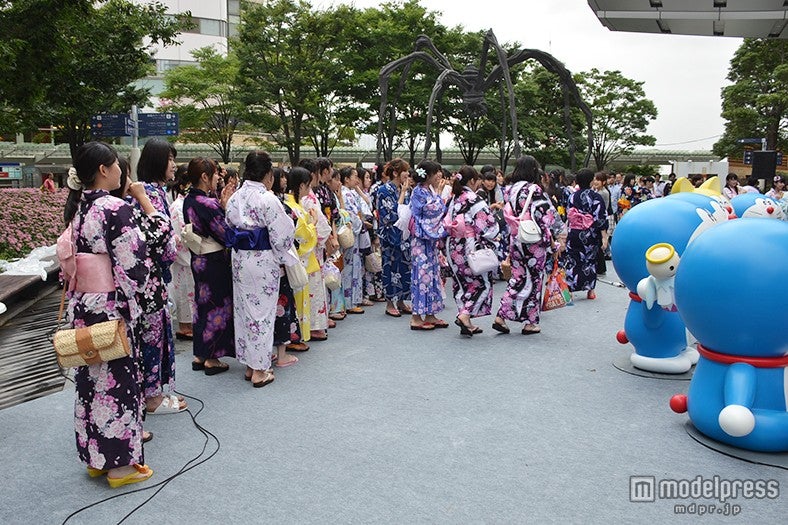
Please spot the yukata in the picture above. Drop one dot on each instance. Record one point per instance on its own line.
(155, 327)
(426, 286)
(286, 327)
(395, 252)
(337, 296)
(584, 240)
(522, 300)
(109, 398)
(317, 285)
(257, 272)
(353, 271)
(306, 243)
(473, 226)
(213, 280)
(182, 285)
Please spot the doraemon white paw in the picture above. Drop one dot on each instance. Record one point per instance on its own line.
(736, 420)
(662, 365)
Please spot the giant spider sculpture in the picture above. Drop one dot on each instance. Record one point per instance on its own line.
(473, 85)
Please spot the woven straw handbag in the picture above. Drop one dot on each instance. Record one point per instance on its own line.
(91, 345)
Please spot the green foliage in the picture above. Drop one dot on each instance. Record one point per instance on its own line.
(641, 170)
(288, 69)
(65, 60)
(206, 99)
(756, 103)
(621, 114)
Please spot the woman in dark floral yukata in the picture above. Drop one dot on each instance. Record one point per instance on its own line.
(214, 335)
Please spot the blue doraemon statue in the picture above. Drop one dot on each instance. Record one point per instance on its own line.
(755, 205)
(732, 293)
(656, 331)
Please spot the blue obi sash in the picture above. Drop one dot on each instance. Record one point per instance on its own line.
(256, 239)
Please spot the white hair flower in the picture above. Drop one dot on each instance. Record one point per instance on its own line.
(73, 181)
(422, 174)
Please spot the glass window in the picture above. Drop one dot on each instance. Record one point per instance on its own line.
(233, 7)
(211, 27)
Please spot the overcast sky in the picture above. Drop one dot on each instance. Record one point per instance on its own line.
(683, 75)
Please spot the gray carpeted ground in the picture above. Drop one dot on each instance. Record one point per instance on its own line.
(382, 424)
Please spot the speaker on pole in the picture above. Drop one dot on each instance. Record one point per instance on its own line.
(764, 164)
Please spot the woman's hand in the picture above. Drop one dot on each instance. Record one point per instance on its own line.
(227, 192)
(137, 191)
(313, 215)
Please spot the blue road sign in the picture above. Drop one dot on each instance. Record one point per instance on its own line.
(749, 141)
(748, 156)
(110, 125)
(158, 124)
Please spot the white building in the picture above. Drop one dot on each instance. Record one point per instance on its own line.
(213, 22)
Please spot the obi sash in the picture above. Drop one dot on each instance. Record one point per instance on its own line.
(579, 220)
(256, 239)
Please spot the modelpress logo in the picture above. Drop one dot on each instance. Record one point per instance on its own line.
(641, 489)
(647, 489)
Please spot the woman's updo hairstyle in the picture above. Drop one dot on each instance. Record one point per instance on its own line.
(465, 175)
(277, 187)
(345, 173)
(295, 178)
(257, 165)
(526, 169)
(198, 166)
(87, 160)
(425, 170)
(394, 167)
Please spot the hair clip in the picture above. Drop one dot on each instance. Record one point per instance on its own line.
(457, 176)
(421, 173)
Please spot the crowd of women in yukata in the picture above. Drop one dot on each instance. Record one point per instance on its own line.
(257, 270)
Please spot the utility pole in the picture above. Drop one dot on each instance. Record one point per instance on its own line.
(135, 148)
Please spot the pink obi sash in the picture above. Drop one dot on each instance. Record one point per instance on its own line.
(93, 274)
(457, 228)
(579, 220)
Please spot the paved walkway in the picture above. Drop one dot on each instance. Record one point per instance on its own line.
(382, 424)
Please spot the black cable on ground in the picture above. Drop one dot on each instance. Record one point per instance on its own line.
(192, 463)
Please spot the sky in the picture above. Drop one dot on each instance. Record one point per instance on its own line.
(682, 75)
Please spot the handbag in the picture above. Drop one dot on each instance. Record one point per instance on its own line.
(91, 345)
(556, 294)
(345, 237)
(373, 262)
(528, 232)
(332, 275)
(482, 261)
(296, 273)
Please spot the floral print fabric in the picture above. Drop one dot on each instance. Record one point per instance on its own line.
(109, 402)
(582, 246)
(472, 293)
(395, 252)
(257, 273)
(522, 300)
(213, 281)
(426, 286)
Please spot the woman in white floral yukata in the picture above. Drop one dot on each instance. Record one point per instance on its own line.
(261, 233)
(353, 271)
(109, 404)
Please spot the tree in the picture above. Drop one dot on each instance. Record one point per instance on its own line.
(621, 114)
(288, 67)
(756, 103)
(384, 34)
(206, 99)
(67, 60)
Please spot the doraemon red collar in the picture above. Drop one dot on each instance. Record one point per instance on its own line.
(758, 362)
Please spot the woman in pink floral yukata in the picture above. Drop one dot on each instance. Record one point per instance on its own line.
(522, 300)
(109, 404)
(472, 226)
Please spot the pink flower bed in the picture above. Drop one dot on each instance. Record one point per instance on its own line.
(29, 219)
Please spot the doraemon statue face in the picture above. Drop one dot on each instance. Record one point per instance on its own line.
(731, 288)
(754, 205)
(662, 261)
